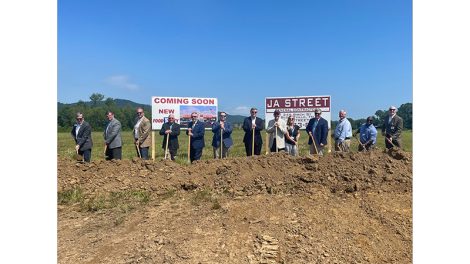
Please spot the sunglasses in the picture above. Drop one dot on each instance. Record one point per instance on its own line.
(254, 112)
(79, 118)
(222, 115)
(193, 116)
(140, 113)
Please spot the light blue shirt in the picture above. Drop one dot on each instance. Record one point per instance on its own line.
(343, 130)
(368, 132)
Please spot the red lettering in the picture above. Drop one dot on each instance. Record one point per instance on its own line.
(164, 100)
(202, 101)
(166, 111)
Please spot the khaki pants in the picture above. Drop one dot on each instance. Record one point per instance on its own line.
(225, 152)
(343, 146)
(319, 149)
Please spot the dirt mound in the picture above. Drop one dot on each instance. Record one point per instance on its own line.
(341, 208)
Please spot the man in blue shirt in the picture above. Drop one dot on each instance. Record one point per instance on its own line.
(367, 135)
(343, 133)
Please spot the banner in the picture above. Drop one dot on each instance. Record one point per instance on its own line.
(182, 107)
(301, 107)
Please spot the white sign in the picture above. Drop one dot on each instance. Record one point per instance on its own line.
(182, 107)
(301, 107)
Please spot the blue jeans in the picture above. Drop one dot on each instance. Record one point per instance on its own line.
(144, 153)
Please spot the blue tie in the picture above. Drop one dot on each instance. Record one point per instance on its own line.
(314, 125)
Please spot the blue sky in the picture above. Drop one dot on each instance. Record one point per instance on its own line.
(359, 52)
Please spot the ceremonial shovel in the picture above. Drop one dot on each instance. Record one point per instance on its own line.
(166, 146)
(77, 156)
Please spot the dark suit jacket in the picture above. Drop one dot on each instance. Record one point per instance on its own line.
(83, 138)
(321, 131)
(248, 132)
(394, 128)
(197, 140)
(226, 136)
(173, 139)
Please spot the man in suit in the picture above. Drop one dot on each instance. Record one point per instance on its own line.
(318, 129)
(277, 141)
(391, 128)
(81, 133)
(226, 129)
(142, 129)
(249, 124)
(112, 138)
(196, 131)
(171, 129)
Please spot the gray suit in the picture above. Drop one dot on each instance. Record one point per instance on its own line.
(112, 138)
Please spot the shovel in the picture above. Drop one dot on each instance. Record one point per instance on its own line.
(138, 149)
(166, 146)
(363, 146)
(390, 141)
(104, 152)
(314, 144)
(77, 156)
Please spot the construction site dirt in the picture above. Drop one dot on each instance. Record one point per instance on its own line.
(340, 208)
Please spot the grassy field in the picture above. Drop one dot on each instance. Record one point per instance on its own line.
(65, 145)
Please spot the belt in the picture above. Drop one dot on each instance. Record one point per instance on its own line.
(348, 138)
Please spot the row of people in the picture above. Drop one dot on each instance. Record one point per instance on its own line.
(283, 136)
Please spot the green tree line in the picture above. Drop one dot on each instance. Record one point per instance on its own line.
(95, 113)
(405, 111)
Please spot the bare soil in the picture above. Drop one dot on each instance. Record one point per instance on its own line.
(341, 208)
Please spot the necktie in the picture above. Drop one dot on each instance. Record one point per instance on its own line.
(314, 125)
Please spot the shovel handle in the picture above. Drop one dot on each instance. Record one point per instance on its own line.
(390, 141)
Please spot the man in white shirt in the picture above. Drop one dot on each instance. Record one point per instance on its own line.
(276, 129)
(343, 133)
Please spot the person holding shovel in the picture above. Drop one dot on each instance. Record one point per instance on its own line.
(292, 137)
(112, 138)
(367, 135)
(171, 131)
(142, 139)
(253, 140)
(391, 129)
(317, 130)
(81, 133)
(222, 139)
(343, 133)
(276, 129)
(195, 132)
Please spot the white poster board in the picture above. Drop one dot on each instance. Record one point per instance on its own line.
(182, 107)
(301, 107)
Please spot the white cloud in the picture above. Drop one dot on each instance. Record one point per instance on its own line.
(121, 81)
